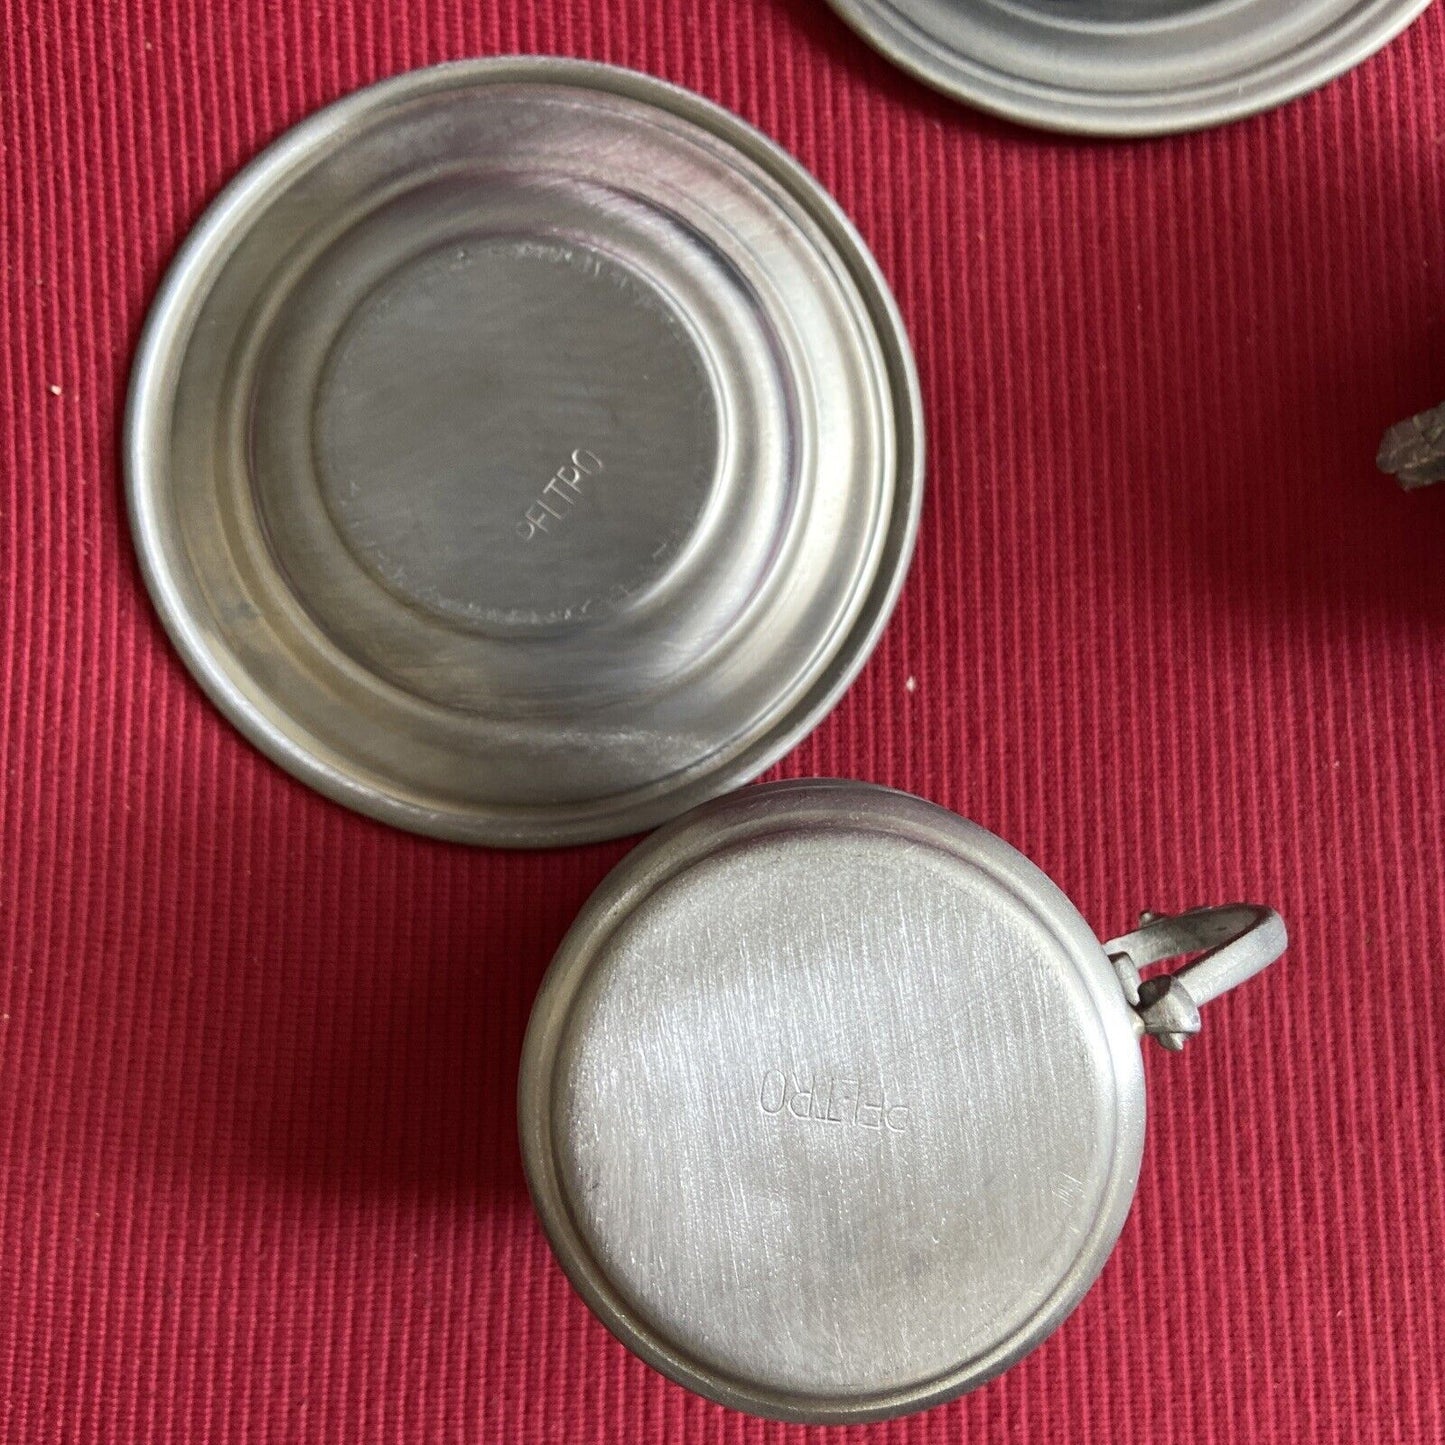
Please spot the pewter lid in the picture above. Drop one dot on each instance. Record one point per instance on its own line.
(1127, 67)
(831, 1103)
(522, 450)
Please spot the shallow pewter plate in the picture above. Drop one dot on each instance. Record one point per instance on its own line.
(1127, 67)
(521, 451)
(832, 1105)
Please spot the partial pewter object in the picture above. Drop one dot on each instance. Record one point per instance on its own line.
(832, 1105)
(1413, 451)
(1127, 67)
(521, 451)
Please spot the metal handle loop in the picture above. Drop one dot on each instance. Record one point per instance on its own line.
(1238, 939)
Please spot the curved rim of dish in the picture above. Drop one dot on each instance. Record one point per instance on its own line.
(1078, 109)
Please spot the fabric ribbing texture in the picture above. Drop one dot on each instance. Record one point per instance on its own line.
(1167, 632)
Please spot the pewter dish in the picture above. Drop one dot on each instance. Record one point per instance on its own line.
(1127, 67)
(523, 450)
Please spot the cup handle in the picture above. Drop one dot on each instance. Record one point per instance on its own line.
(1234, 942)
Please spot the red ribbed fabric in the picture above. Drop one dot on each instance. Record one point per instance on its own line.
(1168, 632)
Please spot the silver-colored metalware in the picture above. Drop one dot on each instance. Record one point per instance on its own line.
(832, 1104)
(1127, 67)
(522, 450)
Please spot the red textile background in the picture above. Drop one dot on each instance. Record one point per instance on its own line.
(1170, 634)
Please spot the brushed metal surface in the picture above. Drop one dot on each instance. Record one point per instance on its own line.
(1127, 67)
(523, 450)
(831, 1104)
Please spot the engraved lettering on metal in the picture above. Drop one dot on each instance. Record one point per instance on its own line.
(831, 1101)
(561, 494)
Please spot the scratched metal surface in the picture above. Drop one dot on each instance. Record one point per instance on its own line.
(831, 1104)
(522, 451)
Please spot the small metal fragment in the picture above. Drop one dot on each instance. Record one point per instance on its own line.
(1413, 451)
